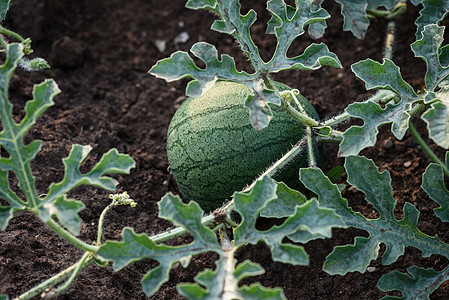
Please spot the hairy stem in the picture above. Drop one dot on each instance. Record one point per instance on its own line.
(389, 39)
(100, 223)
(301, 116)
(58, 278)
(426, 148)
(71, 238)
(335, 137)
(382, 96)
(311, 153)
(72, 277)
(161, 237)
(3, 30)
(398, 9)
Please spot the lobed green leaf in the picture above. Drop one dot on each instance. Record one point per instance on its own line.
(20, 156)
(43, 95)
(433, 12)
(180, 65)
(378, 76)
(395, 234)
(11, 138)
(214, 283)
(429, 49)
(418, 284)
(56, 204)
(308, 218)
(383, 76)
(65, 210)
(433, 184)
(238, 25)
(315, 222)
(250, 204)
(223, 282)
(357, 138)
(355, 16)
(437, 119)
(13, 134)
(287, 23)
(135, 247)
(316, 30)
(285, 203)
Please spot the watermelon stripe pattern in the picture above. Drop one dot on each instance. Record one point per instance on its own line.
(213, 150)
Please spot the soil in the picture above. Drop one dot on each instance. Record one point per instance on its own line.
(100, 52)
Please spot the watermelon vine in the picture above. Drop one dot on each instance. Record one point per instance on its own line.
(244, 146)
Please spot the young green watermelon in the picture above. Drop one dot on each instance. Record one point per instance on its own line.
(213, 150)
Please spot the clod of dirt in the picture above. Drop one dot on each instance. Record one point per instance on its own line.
(67, 53)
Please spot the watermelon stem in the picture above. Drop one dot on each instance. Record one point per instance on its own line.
(301, 116)
(311, 153)
(335, 137)
(383, 97)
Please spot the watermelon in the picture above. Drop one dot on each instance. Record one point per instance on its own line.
(213, 150)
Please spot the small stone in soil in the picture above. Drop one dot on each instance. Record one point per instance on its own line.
(389, 144)
(407, 164)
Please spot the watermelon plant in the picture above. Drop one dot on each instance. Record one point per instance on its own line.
(247, 146)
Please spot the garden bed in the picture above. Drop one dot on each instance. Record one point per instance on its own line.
(100, 52)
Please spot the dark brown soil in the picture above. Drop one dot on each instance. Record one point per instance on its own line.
(100, 52)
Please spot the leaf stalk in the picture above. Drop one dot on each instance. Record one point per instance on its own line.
(71, 238)
(56, 279)
(426, 148)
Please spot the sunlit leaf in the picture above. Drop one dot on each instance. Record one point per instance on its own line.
(180, 65)
(66, 210)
